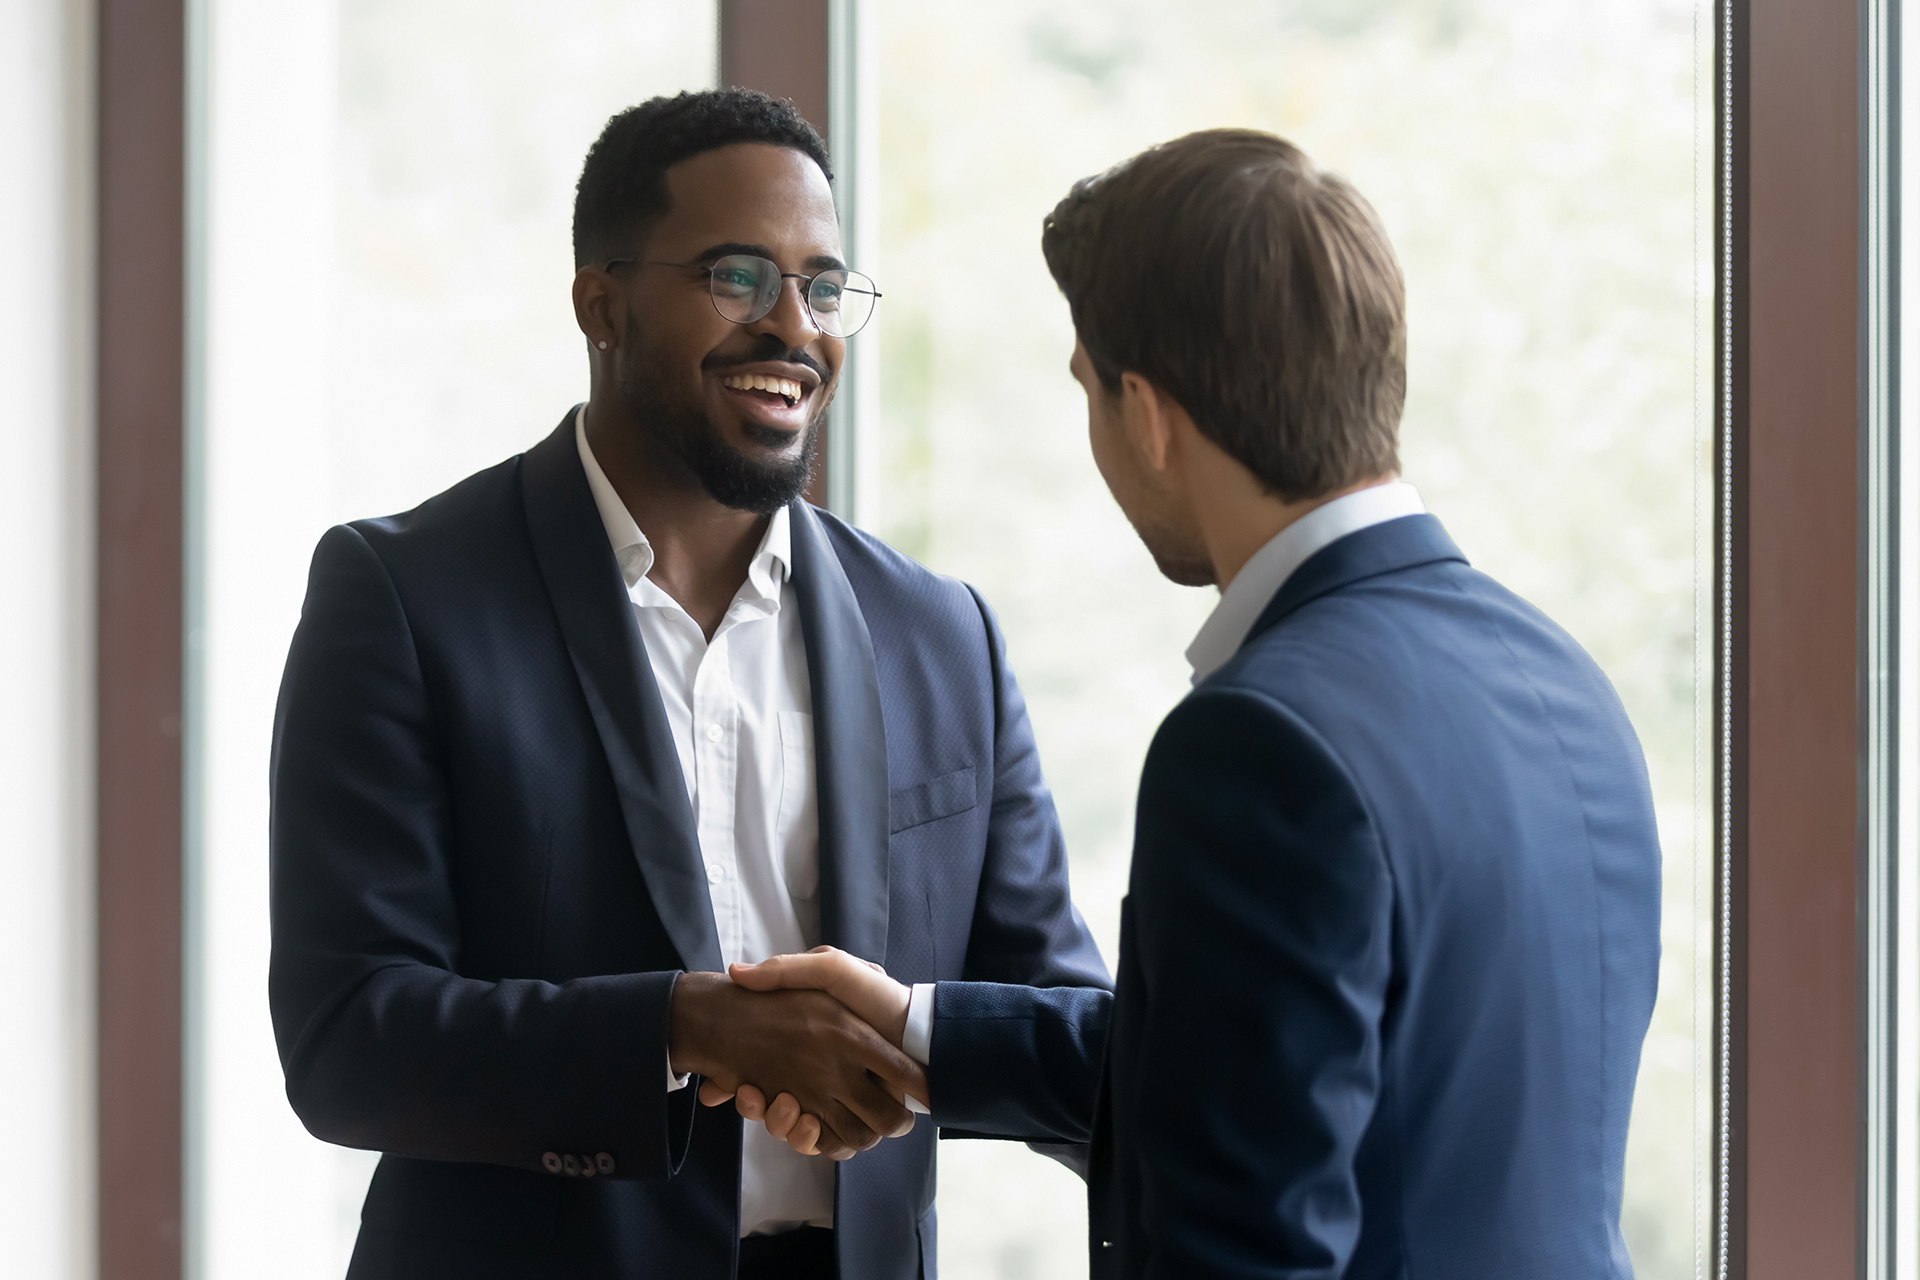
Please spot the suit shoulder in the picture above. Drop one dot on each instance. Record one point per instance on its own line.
(894, 582)
(456, 513)
(461, 538)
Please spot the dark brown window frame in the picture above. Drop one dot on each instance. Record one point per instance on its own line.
(1797, 703)
(141, 95)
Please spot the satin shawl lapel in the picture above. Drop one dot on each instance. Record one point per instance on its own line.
(596, 618)
(1376, 549)
(849, 745)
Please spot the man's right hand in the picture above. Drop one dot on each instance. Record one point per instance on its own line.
(803, 1043)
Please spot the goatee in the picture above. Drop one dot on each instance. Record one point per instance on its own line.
(731, 478)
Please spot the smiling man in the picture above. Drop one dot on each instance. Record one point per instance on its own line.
(557, 746)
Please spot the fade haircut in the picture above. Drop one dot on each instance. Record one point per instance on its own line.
(1256, 290)
(623, 185)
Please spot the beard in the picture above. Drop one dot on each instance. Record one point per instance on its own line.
(683, 432)
(1181, 560)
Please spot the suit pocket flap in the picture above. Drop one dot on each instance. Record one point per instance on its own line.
(941, 797)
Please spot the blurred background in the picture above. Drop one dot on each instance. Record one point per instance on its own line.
(382, 303)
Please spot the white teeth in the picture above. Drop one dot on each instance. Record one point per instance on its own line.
(761, 382)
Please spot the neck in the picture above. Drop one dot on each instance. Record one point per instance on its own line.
(701, 549)
(1240, 517)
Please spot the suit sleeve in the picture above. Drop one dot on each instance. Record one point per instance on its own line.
(1259, 914)
(385, 1044)
(1018, 1062)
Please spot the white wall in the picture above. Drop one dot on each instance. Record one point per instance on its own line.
(46, 890)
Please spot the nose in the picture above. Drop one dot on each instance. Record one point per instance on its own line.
(789, 320)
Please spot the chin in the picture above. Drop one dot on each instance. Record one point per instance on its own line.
(1179, 560)
(1185, 571)
(776, 439)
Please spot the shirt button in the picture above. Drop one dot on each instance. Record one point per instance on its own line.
(713, 733)
(716, 873)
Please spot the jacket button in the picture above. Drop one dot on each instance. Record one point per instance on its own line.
(572, 1163)
(551, 1162)
(603, 1162)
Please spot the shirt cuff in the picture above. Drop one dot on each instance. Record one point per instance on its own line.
(676, 1082)
(917, 1040)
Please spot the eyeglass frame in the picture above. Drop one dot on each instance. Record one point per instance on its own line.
(711, 267)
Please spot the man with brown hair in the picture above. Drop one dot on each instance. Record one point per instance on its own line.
(1391, 937)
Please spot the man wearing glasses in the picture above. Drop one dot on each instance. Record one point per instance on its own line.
(558, 746)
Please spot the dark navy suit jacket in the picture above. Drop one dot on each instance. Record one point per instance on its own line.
(486, 876)
(1386, 960)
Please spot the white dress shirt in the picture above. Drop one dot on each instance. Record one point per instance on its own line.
(741, 712)
(1225, 630)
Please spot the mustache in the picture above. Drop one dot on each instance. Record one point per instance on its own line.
(766, 349)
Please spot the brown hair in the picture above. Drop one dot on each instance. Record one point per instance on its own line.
(1256, 290)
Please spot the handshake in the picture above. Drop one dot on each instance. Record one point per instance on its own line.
(819, 1034)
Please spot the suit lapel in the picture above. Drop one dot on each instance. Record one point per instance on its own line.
(603, 639)
(850, 747)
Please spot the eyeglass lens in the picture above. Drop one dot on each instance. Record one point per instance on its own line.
(745, 288)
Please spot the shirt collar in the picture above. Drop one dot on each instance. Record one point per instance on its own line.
(1261, 578)
(771, 564)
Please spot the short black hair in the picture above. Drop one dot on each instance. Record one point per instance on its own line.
(623, 184)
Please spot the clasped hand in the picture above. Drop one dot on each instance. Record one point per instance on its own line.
(819, 1033)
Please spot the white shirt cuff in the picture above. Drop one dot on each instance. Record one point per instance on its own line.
(917, 1040)
(676, 1082)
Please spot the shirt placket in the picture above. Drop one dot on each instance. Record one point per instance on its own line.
(716, 745)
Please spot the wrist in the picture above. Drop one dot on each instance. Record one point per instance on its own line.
(900, 1000)
(690, 1022)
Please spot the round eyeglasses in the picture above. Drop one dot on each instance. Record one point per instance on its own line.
(744, 288)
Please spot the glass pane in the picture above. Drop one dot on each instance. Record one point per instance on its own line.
(1538, 164)
(386, 268)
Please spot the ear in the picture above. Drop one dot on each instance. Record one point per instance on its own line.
(596, 307)
(1150, 419)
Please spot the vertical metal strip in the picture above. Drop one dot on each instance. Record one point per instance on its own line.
(1723, 1206)
(1879, 623)
(849, 412)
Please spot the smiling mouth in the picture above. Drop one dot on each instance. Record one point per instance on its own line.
(785, 389)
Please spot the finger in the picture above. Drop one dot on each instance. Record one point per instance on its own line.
(782, 1113)
(872, 1051)
(712, 1095)
(805, 1137)
(750, 1103)
(911, 1091)
(844, 1129)
(832, 1145)
(878, 1108)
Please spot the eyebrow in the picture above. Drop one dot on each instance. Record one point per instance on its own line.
(817, 262)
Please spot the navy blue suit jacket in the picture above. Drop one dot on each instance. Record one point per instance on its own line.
(1386, 960)
(486, 876)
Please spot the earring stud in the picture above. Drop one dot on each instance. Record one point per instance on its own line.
(603, 344)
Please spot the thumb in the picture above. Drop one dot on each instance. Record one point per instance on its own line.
(816, 969)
